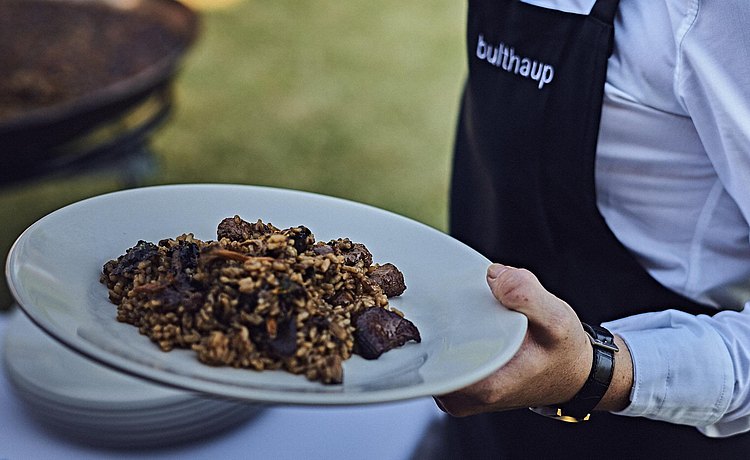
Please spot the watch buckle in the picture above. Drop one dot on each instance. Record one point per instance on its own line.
(597, 343)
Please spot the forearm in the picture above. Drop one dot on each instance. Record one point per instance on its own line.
(672, 366)
(617, 396)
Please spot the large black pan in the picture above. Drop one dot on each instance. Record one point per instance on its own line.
(80, 77)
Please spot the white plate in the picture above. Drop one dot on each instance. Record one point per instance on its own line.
(60, 380)
(92, 403)
(43, 368)
(53, 271)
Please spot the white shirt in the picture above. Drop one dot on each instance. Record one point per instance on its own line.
(673, 183)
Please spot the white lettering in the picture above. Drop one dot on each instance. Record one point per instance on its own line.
(525, 66)
(481, 48)
(506, 58)
(547, 74)
(493, 58)
(513, 58)
(536, 71)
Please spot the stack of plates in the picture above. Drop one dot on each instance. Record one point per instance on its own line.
(95, 405)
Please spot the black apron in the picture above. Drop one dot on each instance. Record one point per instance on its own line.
(523, 194)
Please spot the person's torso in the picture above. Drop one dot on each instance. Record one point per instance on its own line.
(656, 186)
(524, 192)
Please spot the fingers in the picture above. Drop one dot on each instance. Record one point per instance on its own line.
(458, 404)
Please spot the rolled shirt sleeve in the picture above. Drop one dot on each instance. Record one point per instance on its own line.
(691, 370)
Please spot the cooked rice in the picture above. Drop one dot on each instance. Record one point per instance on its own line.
(270, 299)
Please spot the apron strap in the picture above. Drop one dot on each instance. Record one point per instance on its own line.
(605, 10)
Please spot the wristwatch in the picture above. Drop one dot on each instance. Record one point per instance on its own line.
(580, 407)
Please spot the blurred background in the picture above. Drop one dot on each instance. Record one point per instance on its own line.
(351, 99)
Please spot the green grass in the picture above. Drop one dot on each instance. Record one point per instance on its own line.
(351, 99)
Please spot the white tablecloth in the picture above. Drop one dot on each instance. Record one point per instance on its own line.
(378, 432)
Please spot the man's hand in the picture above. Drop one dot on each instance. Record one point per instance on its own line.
(553, 362)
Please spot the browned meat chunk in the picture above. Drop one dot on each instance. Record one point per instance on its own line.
(389, 278)
(321, 249)
(341, 298)
(236, 229)
(184, 257)
(128, 263)
(358, 253)
(379, 330)
(301, 237)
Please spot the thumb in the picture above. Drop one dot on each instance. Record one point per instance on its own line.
(520, 290)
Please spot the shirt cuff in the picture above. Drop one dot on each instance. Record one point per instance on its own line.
(682, 370)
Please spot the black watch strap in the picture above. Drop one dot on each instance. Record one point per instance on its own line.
(602, 369)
